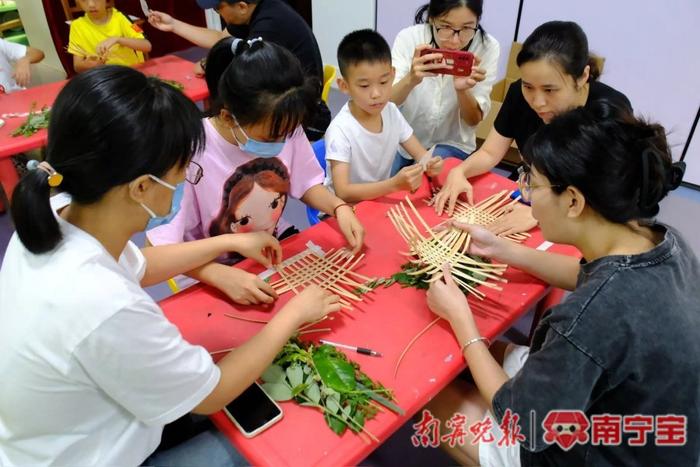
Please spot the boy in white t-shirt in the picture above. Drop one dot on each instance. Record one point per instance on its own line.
(15, 59)
(362, 140)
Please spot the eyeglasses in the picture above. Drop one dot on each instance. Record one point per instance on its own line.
(193, 173)
(445, 33)
(525, 186)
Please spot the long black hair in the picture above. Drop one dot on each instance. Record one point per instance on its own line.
(108, 126)
(258, 79)
(564, 43)
(621, 164)
(438, 8)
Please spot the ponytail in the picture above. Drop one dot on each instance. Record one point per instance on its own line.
(32, 215)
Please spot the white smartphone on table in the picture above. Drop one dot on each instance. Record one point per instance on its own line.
(253, 411)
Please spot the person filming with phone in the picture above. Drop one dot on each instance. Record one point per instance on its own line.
(444, 108)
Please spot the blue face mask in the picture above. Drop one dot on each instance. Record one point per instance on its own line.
(157, 221)
(258, 148)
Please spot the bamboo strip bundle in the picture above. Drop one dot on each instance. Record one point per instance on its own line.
(333, 272)
(489, 211)
(433, 249)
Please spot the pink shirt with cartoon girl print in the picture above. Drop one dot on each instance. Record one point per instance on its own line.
(240, 192)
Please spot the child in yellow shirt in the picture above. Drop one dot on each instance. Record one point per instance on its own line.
(105, 36)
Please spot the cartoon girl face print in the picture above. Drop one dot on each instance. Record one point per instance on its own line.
(253, 199)
(259, 211)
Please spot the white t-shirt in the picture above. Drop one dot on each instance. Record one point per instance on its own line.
(369, 154)
(91, 368)
(432, 108)
(9, 54)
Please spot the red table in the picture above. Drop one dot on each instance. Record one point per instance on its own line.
(167, 67)
(386, 321)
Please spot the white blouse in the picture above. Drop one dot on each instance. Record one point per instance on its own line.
(432, 108)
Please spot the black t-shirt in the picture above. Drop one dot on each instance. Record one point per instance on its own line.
(624, 343)
(277, 22)
(517, 120)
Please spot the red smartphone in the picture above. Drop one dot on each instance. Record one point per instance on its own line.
(459, 62)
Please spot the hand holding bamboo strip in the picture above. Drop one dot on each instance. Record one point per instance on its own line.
(332, 272)
(489, 211)
(433, 249)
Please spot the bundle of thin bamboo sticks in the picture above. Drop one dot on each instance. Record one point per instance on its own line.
(434, 249)
(333, 272)
(489, 211)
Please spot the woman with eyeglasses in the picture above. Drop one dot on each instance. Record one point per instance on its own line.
(557, 74)
(444, 110)
(622, 349)
(93, 371)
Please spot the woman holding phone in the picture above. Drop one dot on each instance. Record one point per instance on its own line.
(442, 109)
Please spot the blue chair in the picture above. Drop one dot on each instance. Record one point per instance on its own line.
(319, 148)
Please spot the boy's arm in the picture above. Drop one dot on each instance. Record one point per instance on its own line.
(356, 192)
(22, 73)
(142, 45)
(433, 166)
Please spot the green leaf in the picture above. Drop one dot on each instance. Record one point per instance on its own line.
(335, 372)
(313, 392)
(298, 390)
(333, 403)
(359, 418)
(273, 374)
(338, 426)
(295, 375)
(278, 391)
(382, 400)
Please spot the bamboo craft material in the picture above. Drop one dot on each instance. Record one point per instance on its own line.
(332, 271)
(434, 249)
(488, 211)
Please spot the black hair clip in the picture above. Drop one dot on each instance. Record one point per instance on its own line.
(675, 176)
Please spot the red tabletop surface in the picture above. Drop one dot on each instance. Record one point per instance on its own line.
(167, 67)
(386, 321)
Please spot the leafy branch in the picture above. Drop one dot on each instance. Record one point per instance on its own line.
(324, 378)
(35, 122)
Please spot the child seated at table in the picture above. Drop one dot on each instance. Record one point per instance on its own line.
(362, 140)
(256, 157)
(105, 36)
(15, 73)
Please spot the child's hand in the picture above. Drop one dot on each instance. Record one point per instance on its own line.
(259, 246)
(351, 228)
(409, 178)
(312, 304)
(22, 73)
(243, 287)
(434, 166)
(103, 47)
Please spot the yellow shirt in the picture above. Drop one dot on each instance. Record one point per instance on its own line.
(86, 35)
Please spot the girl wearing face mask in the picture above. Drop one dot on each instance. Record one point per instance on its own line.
(96, 370)
(443, 109)
(558, 74)
(260, 97)
(625, 341)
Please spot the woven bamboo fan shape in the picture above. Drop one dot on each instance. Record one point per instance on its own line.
(488, 211)
(433, 249)
(333, 271)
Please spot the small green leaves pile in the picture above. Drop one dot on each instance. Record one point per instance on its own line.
(35, 122)
(323, 378)
(407, 278)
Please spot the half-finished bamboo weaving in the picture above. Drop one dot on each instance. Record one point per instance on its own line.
(488, 211)
(434, 249)
(333, 271)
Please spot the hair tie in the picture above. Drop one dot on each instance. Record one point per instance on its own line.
(675, 175)
(234, 45)
(55, 178)
(253, 41)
